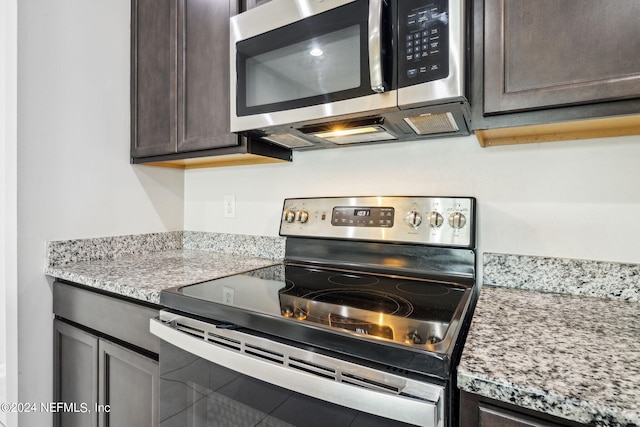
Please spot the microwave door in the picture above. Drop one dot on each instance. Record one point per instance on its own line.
(301, 68)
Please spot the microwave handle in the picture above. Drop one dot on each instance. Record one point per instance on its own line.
(375, 46)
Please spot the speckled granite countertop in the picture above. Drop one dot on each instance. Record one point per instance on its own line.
(142, 266)
(565, 354)
(144, 276)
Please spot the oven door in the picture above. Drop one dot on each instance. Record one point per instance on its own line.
(312, 60)
(215, 375)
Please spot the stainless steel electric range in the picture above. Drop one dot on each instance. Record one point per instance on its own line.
(361, 325)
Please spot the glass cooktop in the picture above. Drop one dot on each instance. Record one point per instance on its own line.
(409, 311)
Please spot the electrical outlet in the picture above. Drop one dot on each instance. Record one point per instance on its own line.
(229, 206)
(227, 295)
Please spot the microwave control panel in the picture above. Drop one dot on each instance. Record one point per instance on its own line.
(423, 44)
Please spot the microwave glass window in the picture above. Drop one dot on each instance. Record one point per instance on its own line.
(324, 64)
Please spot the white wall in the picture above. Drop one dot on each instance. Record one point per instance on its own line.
(8, 210)
(74, 178)
(576, 199)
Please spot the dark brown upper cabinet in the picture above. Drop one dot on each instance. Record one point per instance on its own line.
(551, 61)
(154, 117)
(180, 87)
(203, 74)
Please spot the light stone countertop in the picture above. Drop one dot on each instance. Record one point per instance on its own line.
(141, 266)
(570, 355)
(143, 276)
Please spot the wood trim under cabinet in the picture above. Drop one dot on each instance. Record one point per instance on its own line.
(249, 152)
(216, 161)
(580, 129)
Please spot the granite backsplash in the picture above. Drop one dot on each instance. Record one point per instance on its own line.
(569, 276)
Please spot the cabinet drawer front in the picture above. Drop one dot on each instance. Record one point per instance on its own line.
(490, 416)
(126, 321)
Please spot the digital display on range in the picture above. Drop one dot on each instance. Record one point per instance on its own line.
(349, 216)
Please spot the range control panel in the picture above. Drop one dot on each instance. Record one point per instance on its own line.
(439, 221)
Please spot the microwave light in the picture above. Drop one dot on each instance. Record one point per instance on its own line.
(316, 51)
(347, 132)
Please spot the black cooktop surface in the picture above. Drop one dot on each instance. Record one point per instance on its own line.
(407, 311)
(264, 290)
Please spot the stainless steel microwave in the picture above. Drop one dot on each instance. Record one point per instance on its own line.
(325, 73)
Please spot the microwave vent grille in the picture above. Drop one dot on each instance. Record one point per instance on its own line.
(427, 124)
(288, 140)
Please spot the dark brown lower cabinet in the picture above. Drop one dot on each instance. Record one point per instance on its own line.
(102, 383)
(105, 361)
(128, 385)
(76, 375)
(479, 411)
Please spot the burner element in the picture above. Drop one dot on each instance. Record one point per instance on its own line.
(369, 300)
(353, 280)
(423, 289)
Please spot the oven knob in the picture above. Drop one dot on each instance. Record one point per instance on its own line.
(435, 219)
(287, 312)
(433, 339)
(303, 216)
(414, 338)
(413, 219)
(289, 216)
(457, 220)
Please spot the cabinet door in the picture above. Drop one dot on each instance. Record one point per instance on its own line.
(153, 77)
(548, 53)
(75, 375)
(480, 411)
(128, 387)
(203, 74)
(497, 417)
(250, 4)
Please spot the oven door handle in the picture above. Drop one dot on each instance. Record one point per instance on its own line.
(408, 409)
(375, 46)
